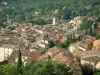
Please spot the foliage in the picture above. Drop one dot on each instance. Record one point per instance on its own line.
(86, 24)
(11, 27)
(41, 22)
(97, 36)
(98, 73)
(51, 44)
(67, 8)
(67, 43)
(64, 45)
(19, 67)
(20, 18)
(46, 68)
(60, 45)
(8, 70)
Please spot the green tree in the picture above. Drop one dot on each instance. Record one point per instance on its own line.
(98, 73)
(11, 27)
(41, 21)
(19, 67)
(60, 45)
(46, 68)
(8, 70)
(86, 24)
(51, 44)
(20, 17)
(67, 44)
(97, 36)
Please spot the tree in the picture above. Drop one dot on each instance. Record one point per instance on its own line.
(67, 44)
(11, 27)
(41, 21)
(20, 17)
(19, 67)
(97, 73)
(86, 24)
(51, 44)
(8, 70)
(97, 36)
(66, 14)
(46, 68)
(90, 31)
(60, 45)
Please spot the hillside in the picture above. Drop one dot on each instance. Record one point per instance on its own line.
(66, 8)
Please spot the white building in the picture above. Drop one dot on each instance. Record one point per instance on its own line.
(54, 21)
(5, 51)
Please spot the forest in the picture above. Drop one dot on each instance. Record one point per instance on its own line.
(67, 9)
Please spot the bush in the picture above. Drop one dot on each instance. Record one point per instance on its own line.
(11, 27)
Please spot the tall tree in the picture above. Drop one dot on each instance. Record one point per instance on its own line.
(19, 68)
(67, 44)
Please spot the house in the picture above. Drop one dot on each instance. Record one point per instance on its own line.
(34, 56)
(96, 44)
(37, 13)
(62, 56)
(92, 38)
(88, 7)
(55, 21)
(58, 37)
(98, 23)
(73, 47)
(92, 58)
(5, 51)
(93, 61)
(13, 58)
(49, 53)
(87, 43)
(78, 20)
(56, 11)
(5, 3)
(2, 38)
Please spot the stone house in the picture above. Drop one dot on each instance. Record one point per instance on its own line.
(5, 51)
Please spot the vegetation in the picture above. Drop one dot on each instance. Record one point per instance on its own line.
(11, 27)
(39, 68)
(46, 68)
(8, 70)
(97, 36)
(41, 22)
(64, 44)
(19, 67)
(86, 24)
(98, 73)
(67, 9)
(51, 44)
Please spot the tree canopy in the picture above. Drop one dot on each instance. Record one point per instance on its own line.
(46, 68)
(67, 8)
(98, 73)
(86, 24)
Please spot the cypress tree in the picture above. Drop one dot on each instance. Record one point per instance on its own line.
(19, 67)
(51, 44)
(86, 32)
